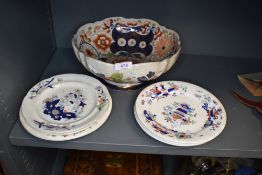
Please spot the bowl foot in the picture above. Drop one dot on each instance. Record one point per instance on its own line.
(123, 86)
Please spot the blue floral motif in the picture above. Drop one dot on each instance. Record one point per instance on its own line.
(213, 114)
(102, 98)
(67, 106)
(40, 87)
(150, 118)
(179, 114)
(162, 91)
(57, 112)
(50, 126)
(147, 77)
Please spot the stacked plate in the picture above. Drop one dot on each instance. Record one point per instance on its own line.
(179, 113)
(65, 107)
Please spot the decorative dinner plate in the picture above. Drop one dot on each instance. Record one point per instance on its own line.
(89, 127)
(179, 113)
(64, 105)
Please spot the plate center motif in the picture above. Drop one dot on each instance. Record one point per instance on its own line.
(67, 106)
(178, 112)
(67, 102)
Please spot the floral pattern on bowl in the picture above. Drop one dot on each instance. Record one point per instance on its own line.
(148, 45)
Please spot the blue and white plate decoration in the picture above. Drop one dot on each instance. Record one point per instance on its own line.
(65, 107)
(179, 113)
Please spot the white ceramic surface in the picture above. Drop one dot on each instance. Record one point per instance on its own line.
(153, 46)
(179, 113)
(64, 105)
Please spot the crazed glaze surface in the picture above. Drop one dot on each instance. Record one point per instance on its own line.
(152, 49)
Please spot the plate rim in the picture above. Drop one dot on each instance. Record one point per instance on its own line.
(70, 136)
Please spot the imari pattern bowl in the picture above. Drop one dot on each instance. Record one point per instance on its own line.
(126, 52)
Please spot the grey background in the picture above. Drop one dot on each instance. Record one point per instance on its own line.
(219, 27)
(26, 46)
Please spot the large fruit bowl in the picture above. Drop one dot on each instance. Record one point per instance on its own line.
(126, 52)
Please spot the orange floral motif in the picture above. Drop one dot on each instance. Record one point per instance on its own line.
(132, 23)
(164, 46)
(157, 33)
(89, 52)
(85, 37)
(107, 25)
(145, 23)
(144, 27)
(97, 27)
(102, 42)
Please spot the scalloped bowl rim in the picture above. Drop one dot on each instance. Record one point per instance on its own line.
(134, 65)
(112, 64)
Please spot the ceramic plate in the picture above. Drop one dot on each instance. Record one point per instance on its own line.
(65, 104)
(89, 127)
(179, 113)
